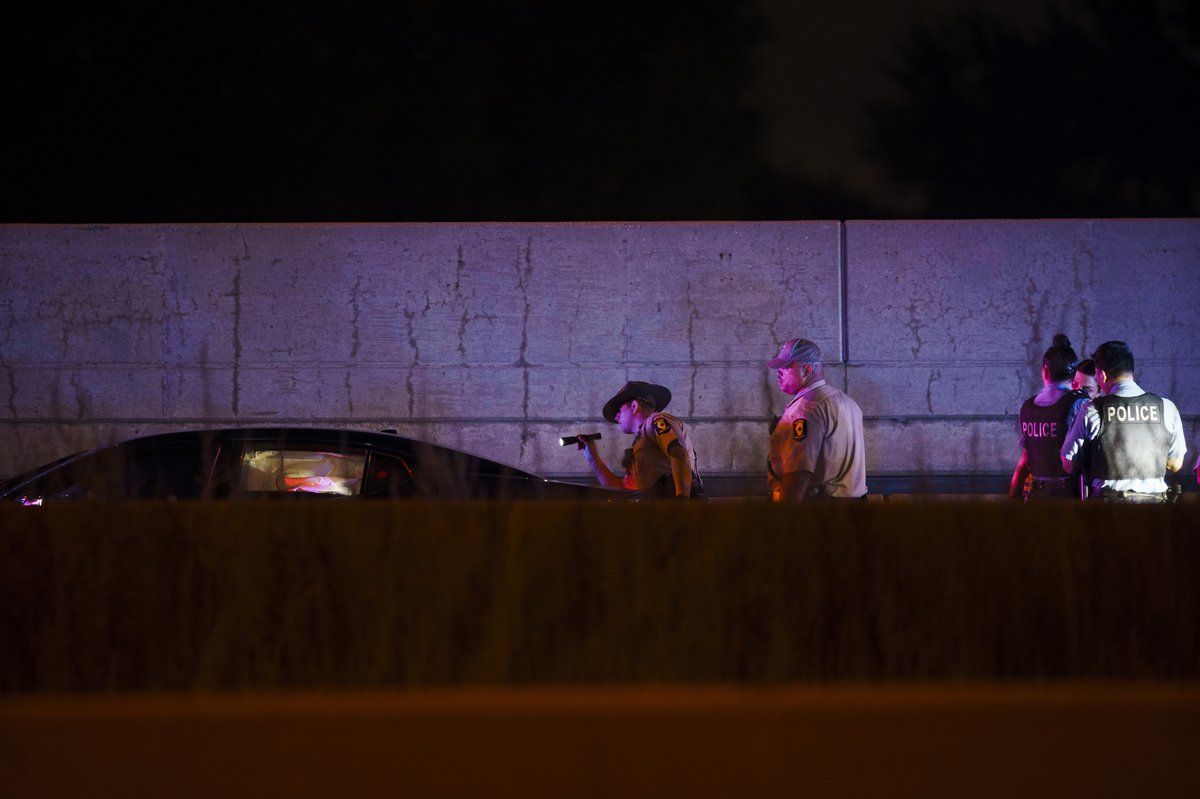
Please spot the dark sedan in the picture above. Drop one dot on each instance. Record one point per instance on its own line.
(282, 462)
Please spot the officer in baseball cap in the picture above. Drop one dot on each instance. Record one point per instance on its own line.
(816, 449)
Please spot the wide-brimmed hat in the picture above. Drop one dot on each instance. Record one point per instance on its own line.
(636, 389)
(796, 350)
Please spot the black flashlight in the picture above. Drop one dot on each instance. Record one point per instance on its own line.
(565, 440)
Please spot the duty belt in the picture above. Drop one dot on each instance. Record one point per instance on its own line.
(1114, 495)
(1062, 482)
(821, 494)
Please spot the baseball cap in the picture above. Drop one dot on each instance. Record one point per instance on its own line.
(796, 350)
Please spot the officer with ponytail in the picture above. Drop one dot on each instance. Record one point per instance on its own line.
(1044, 421)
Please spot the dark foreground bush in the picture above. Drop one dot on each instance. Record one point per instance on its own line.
(275, 595)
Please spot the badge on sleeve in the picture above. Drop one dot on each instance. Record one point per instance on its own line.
(799, 429)
(662, 426)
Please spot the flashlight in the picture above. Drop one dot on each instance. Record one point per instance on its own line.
(565, 440)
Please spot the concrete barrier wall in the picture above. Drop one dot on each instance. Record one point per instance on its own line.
(948, 321)
(497, 338)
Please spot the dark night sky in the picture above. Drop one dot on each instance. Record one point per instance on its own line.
(821, 61)
(411, 111)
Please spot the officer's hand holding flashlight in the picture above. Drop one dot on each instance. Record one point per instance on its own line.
(582, 441)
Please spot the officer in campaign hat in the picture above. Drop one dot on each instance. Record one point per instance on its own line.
(816, 449)
(661, 462)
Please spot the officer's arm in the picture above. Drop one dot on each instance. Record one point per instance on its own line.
(1178, 447)
(793, 486)
(1075, 441)
(599, 467)
(681, 470)
(1018, 475)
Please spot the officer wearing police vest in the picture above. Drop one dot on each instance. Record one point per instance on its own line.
(1044, 420)
(1129, 437)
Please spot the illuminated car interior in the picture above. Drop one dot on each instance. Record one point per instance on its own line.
(301, 471)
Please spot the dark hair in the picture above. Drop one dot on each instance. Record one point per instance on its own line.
(1087, 366)
(1115, 358)
(1060, 359)
(647, 402)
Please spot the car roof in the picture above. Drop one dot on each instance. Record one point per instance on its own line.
(390, 441)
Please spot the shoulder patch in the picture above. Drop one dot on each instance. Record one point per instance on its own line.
(662, 426)
(799, 429)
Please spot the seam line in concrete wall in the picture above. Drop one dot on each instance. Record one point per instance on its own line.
(843, 301)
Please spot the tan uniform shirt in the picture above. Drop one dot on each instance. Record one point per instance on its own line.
(649, 459)
(821, 431)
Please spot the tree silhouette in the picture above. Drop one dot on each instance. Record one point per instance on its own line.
(409, 111)
(1095, 114)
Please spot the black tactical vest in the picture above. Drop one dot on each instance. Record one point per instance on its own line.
(1044, 427)
(1133, 441)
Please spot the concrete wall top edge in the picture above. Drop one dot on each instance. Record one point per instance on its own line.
(99, 226)
(1023, 221)
(613, 223)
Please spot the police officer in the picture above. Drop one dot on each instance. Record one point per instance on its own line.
(1044, 420)
(661, 462)
(1132, 437)
(817, 449)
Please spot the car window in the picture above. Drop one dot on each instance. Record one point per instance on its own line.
(172, 471)
(268, 470)
(123, 472)
(98, 475)
(388, 476)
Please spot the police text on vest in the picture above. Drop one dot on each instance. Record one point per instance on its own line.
(1131, 413)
